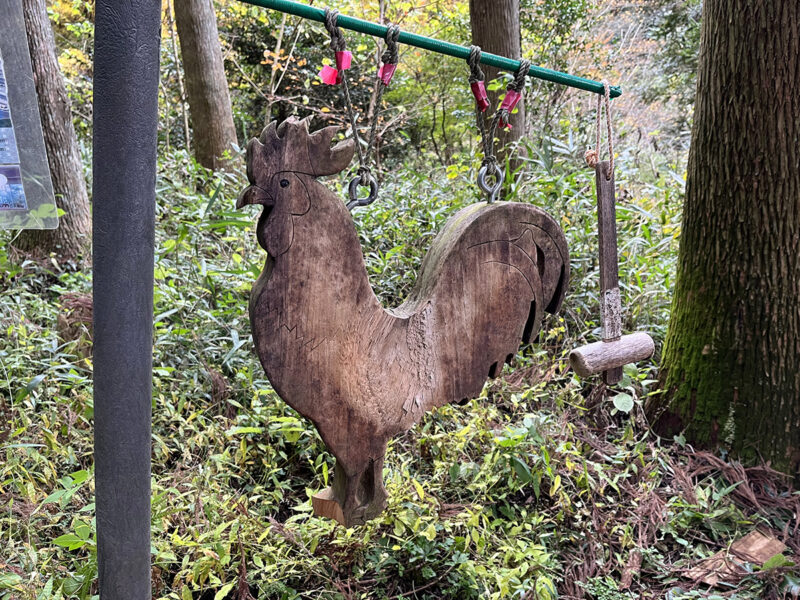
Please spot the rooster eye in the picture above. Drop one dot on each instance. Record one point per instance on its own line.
(284, 182)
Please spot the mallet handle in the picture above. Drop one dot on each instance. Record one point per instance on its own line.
(610, 304)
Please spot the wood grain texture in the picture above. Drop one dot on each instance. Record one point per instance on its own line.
(607, 242)
(610, 304)
(361, 373)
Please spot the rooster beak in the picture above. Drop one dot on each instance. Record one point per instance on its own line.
(253, 194)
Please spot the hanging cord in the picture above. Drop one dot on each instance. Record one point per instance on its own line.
(364, 177)
(389, 59)
(338, 44)
(490, 166)
(481, 103)
(592, 156)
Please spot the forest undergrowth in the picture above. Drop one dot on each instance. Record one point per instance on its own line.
(544, 487)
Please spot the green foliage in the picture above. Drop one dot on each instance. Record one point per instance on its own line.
(543, 487)
(73, 28)
(605, 588)
(676, 24)
(489, 500)
(548, 28)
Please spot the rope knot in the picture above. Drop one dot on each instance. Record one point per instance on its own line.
(592, 156)
(338, 43)
(474, 62)
(520, 77)
(390, 56)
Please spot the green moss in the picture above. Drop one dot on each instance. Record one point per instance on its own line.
(698, 397)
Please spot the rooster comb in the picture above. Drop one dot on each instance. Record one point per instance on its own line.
(291, 147)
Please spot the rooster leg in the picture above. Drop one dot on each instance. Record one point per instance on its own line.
(356, 496)
(361, 495)
(378, 502)
(346, 491)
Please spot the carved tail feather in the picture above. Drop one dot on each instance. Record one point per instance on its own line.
(489, 277)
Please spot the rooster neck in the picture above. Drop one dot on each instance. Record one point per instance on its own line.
(321, 279)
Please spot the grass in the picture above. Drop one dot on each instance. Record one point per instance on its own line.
(544, 487)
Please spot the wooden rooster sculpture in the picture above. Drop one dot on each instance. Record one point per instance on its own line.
(361, 373)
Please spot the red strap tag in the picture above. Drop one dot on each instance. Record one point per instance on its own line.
(343, 60)
(329, 75)
(510, 100)
(509, 103)
(386, 72)
(333, 76)
(479, 91)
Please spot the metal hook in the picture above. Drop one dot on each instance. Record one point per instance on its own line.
(352, 191)
(491, 191)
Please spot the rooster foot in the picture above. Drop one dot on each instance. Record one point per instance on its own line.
(353, 499)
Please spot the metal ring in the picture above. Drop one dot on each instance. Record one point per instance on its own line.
(491, 191)
(352, 191)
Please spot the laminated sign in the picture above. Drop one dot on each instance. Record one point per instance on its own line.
(26, 192)
(12, 192)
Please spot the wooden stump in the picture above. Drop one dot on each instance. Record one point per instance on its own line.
(606, 356)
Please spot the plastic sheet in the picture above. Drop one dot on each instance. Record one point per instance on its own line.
(26, 192)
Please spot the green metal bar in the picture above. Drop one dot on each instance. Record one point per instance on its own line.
(420, 41)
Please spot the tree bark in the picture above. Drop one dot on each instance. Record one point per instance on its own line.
(181, 88)
(66, 170)
(206, 86)
(496, 29)
(731, 363)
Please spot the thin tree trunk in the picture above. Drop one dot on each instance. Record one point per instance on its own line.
(66, 170)
(181, 88)
(731, 364)
(206, 86)
(496, 29)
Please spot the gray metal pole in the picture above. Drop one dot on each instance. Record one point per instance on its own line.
(126, 62)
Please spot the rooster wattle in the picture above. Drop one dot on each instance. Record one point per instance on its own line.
(364, 374)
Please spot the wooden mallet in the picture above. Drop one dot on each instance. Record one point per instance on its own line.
(616, 350)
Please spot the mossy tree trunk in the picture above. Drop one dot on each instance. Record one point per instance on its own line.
(731, 362)
(74, 231)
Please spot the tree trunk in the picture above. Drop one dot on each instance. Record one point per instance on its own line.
(206, 86)
(496, 29)
(66, 170)
(181, 88)
(731, 363)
